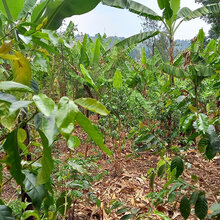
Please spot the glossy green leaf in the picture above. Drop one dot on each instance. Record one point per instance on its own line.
(194, 197)
(84, 58)
(65, 116)
(22, 135)
(214, 210)
(73, 142)
(201, 207)
(5, 97)
(135, 39)
(6, 213)
(44, 104)
(14, 9)
(183, 12)
(15, 106)
(87, 77)
(56, 11)
(36, 192)
(143, 57)
(162, 215)
(14, 86)
(117, 79)
(92, 105)
(208, 9)
(213, 140)
(92, 131)
(185, 207)
(46, 162)
(96, 52)
(127, 216)
(134, 7)
(202, 122)
(30, 213)
(175, 6)
(13, 158)
(177, 163)
(28, 5)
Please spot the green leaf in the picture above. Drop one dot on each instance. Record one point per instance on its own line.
(88, 77)
(5, 97)
(65, 116)
(143, 57)
(46, 162)
(178, 164)
(13, 159)
(96, 52)
(15, 106)
(28, 5)
(185, 207)
(213, 139)
(73, 142)
(202, 122)
(128, 216)
(6, 213)
(21, 135)
(13, 8)
(92, 105)
(214, 210)
(14, 86)
(36, 193)
(161, 170)
(135, 39)
(152, 178)
(134, 7)
(30, 213)
(208, 9)
(175, 6)
(56, 11)
(44, 104)
(117, 79)
(77, 167)
(161, 214)
(183, 12)
(84, 59)
(201, 207)
(194, 197)
(92, 131)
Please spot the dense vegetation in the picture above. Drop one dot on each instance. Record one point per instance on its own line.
(53, 86)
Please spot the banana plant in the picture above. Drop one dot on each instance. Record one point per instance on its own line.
(172, 17)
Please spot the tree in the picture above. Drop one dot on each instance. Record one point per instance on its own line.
(172, 17)
(213, 19)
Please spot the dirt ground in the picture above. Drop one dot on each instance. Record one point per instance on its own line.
(132, 185)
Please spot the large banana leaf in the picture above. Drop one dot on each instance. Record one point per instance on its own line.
(134, 7)
(11, 8)
(135, 39)
(208, 9)
(56, 11)
(194, 71)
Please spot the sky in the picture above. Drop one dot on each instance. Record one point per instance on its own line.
(122, 23)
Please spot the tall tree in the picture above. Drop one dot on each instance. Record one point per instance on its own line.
(213, 19)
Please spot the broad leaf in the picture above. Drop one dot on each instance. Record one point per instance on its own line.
(96, 52)
(14, 86)
(135, 39)
(185, 207)
(177, 163)
(36, 193)
(65, 116)
(6, 213)
(213, 139)
(56, 11)
(15, 106)
(92, 105)
(162, 215)
(46, 162)
(11, 8)
(92, 131)
(202, 122)
(28, 5)
(73, 142)
(87, 77)
(134, 7)
(117, 79)
(208, 9)
(5, 97)
(201, 207)
(44, 104)
(13, 158)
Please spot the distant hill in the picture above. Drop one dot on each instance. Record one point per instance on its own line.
(180, 45)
